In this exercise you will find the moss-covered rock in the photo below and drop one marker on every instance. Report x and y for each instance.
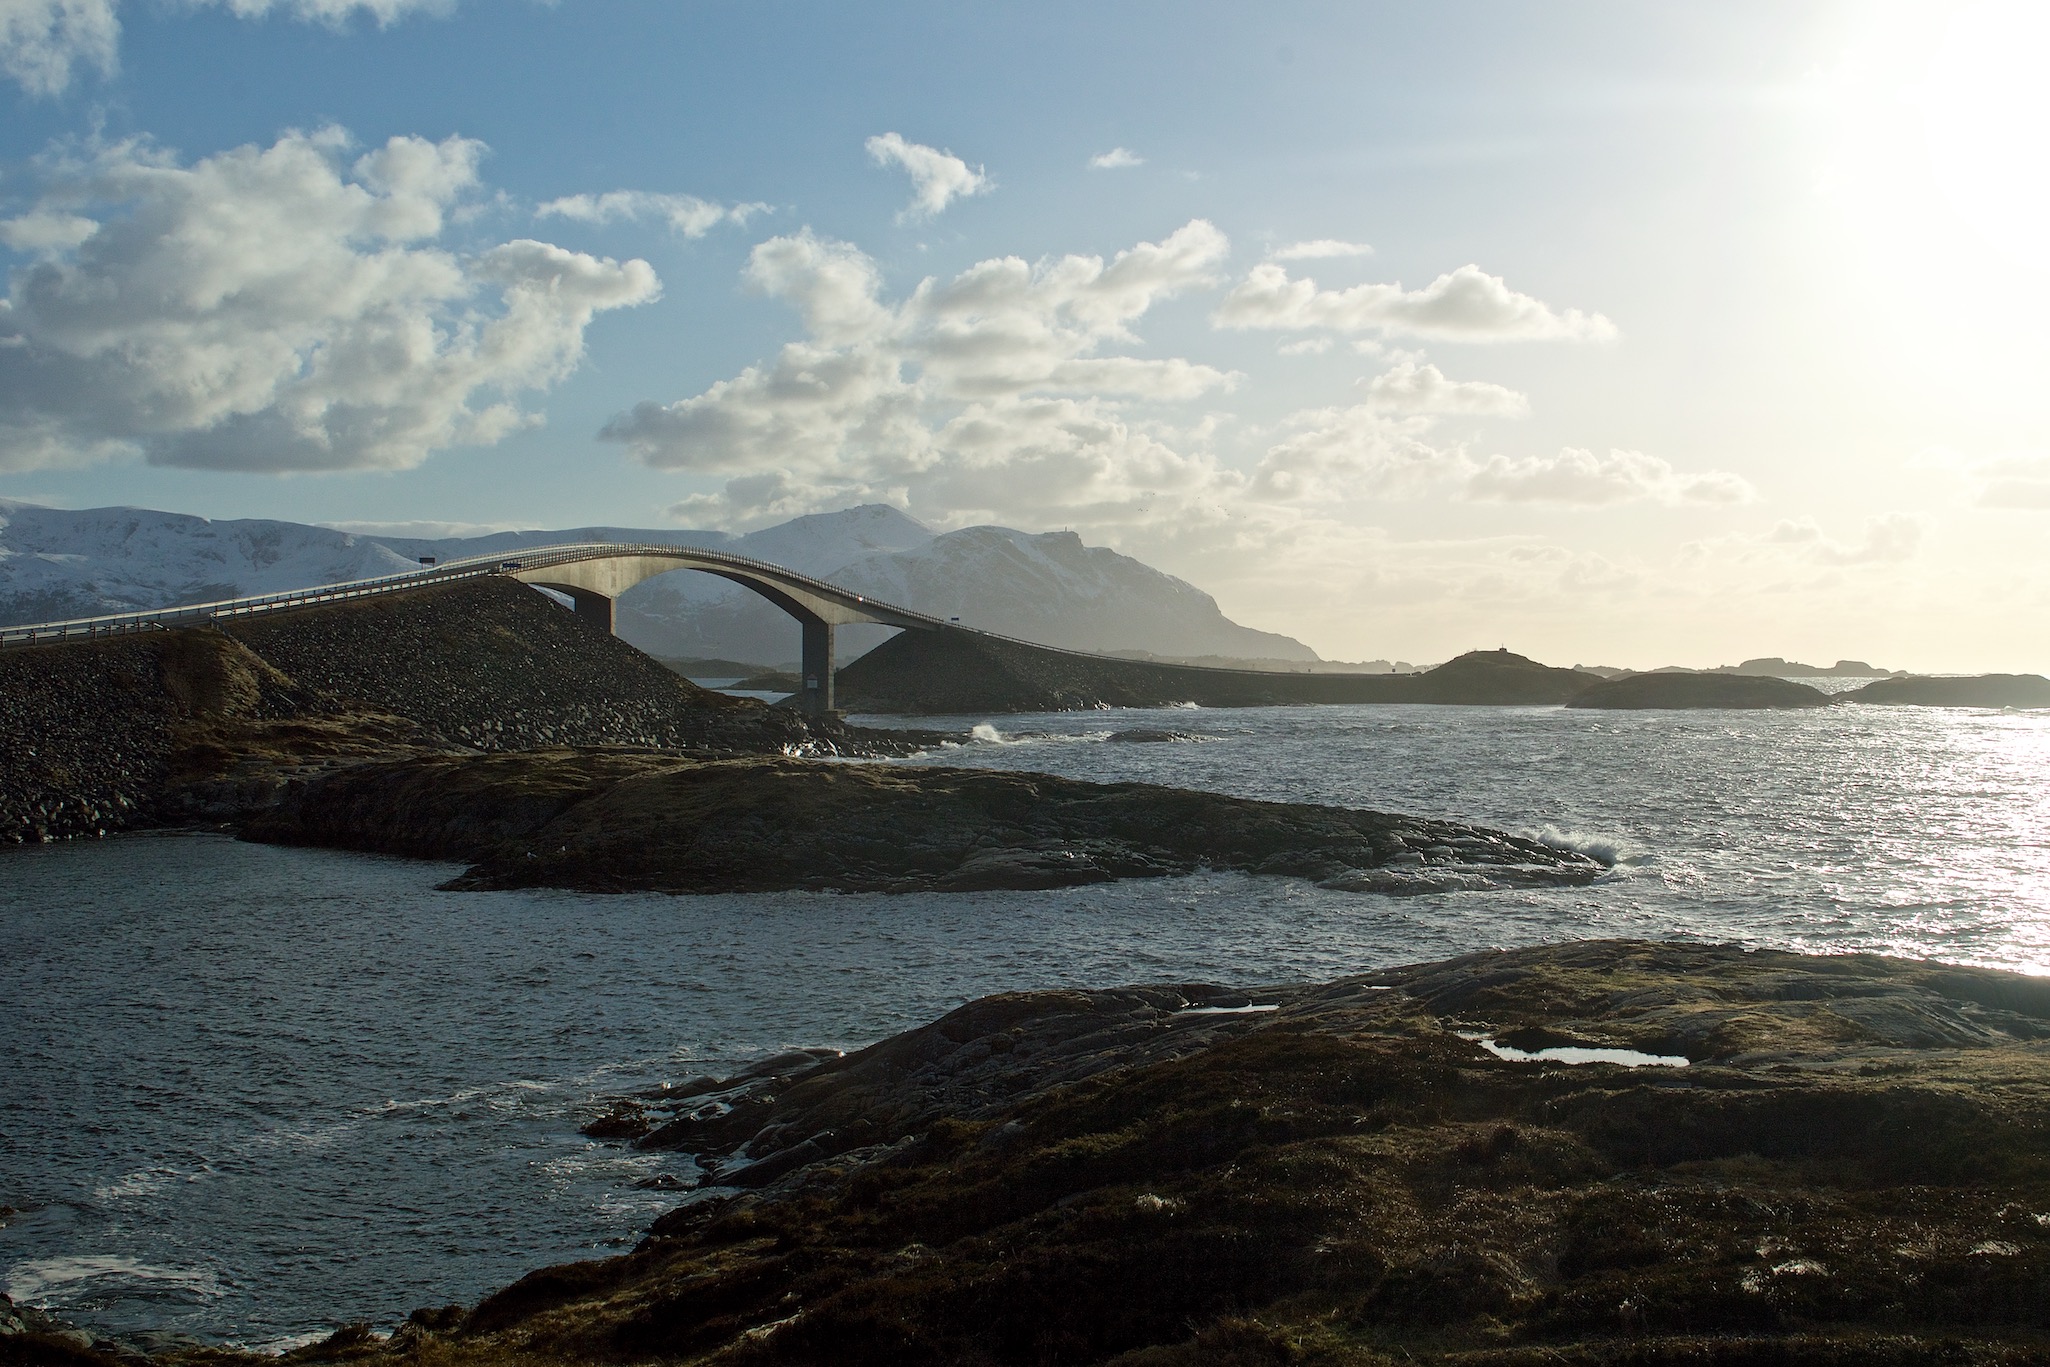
(1157, 1177)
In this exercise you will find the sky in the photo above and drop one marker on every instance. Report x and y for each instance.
(1613, 333)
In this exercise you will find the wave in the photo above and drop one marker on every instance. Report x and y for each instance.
(1601, 849)
(52, 1283)
(984, 733)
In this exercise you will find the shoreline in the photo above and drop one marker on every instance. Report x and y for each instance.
(1852, 1160)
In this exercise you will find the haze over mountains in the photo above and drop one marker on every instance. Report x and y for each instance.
(1046, 587)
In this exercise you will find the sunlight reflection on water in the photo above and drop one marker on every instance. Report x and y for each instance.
(255, 1091)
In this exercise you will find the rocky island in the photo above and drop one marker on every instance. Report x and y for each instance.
(616, 820)
(1595, 1153)
(1743, 691)
(954, 672)
(1975, 690)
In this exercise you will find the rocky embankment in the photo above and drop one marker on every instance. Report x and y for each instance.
(490, 664)
(209, 724)
(959, 672)
(1832, 1161)
(657, 821)
(1750, 692)
(169, 726)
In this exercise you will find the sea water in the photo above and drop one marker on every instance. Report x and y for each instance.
(252, 1093)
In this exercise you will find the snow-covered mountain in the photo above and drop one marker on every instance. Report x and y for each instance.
(1044, 587)
(57, 563)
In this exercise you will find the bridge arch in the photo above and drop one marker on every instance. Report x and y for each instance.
(593, 577)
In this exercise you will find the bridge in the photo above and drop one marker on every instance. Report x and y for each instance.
(593, 575)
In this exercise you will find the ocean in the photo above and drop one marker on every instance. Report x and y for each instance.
(254, 1093)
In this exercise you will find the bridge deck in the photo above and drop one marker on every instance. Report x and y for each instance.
(518, 564)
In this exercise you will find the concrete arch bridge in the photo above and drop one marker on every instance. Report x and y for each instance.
(593, 575)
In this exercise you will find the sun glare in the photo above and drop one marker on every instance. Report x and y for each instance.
(1986, 116)
(1932, 170)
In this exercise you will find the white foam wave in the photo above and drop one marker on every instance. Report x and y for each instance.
(983, 733)
(145, 1182)
(285, 1343)
(1599, 848)
(54, 1282)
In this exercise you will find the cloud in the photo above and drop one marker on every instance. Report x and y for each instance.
(1008, 392)
(332, 12)
(44, 42)
(1321, 248)
(422, 530)
(1888, 540)
(1467, 305)
(997, 389)
(281, 308)
(1411, 387)
(1304, 346)
(2026, 494)
(688, 215)
(2019, 481)
(1116, 159)
(1584, 479)
(937, 178)
(1369, 450)
(1334, 454)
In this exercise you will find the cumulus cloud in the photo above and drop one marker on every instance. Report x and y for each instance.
(280, 308)
(937, 178)
(44, 42)
(333, 11)
(1332, 454)
(1005, 377)
(1010, 391)
(1888, 540)
(1320, 249)
(1116, 159)
(1466, 305)
(687, 215)
(1582, 478)
(1413, 387)
(2018, 481)
(1377, 450)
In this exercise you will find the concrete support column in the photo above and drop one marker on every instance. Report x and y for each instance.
(594, 608)
(815, 679)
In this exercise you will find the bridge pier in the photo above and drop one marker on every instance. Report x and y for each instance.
(815, 677)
